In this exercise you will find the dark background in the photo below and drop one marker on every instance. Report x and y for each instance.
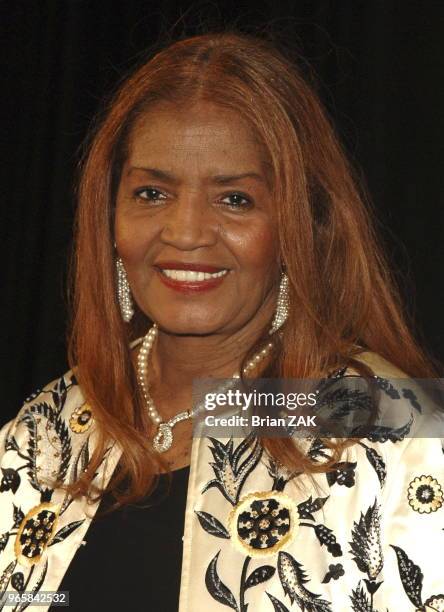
(380, 73)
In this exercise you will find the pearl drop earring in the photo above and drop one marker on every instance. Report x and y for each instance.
(282, 305)
(124, 292)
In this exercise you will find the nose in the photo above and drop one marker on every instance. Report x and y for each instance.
(188, 224)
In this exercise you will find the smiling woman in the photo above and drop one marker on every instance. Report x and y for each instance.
(193, 199)
(220, 234)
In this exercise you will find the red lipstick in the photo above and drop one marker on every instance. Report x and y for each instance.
(194, 267)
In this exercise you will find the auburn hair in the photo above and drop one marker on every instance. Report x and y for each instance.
(345, 297)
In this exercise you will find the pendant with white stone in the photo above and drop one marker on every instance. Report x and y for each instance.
(163, 439)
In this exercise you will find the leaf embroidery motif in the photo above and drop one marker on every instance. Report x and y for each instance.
(278, 605)
(217, 588)
(65, 531)
(280, 475)
(293, 578)
(387, 387)
(382, 434)
(360, 601)
(59, 439)
(377, 463)
(366, 542)
(343, 473)
(36, 587)
(261, 574)
(306, 508)
(229, 471)
(409, 395)
(411, 576)
(326, 536)
(212, 525)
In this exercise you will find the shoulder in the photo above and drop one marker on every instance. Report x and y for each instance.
(379, 365)
(401, 418)
(48, 416)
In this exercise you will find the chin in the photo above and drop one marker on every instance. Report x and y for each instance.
(189, 326)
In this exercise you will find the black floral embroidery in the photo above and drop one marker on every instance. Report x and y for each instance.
(309, 506)
(366, 542)
(42, 420)
(318, 450)
(221, 593)
(342, 400)
(376, 461)
(387, 387)
(411, 579)
(411, 397)
(343, 474)
(6, 575)
(324, 535)
(10, 480)
(259, 575)
(277, 605)
(293, 578)
(280, 475)
(411, 576)
(435, 602)
(232, 466)
(361, 601)
(381, 433)
(36, 530)
(217, 589)
(335, 571)
(367, 550)
(212, 525)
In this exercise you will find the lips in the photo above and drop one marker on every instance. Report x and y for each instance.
(190, 277)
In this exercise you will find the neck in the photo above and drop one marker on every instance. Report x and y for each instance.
(176, 360)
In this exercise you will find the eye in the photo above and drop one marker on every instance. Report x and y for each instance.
(237, 201)
(150, 193)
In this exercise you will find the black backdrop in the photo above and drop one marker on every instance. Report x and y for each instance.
(379, 67)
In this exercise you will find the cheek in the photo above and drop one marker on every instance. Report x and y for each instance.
(256, 246)
(133, 239)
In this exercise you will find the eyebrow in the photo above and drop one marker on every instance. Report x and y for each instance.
(219, 179)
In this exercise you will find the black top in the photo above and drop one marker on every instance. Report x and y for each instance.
(132, 557)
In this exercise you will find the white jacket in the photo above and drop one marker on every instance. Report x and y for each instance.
(366, 537)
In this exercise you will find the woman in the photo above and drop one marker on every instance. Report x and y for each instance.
(217, 205)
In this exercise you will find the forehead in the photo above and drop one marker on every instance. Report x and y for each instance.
(205, 133)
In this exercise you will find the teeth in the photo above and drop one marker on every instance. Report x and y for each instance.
(189, 275)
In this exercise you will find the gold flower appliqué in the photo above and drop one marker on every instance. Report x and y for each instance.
(262, 523)
(425, 494)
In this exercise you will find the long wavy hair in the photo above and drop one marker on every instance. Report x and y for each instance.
(345, 294)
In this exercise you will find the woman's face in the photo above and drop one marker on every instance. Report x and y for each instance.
(194, 221)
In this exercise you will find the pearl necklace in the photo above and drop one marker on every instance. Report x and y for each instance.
(163, 439)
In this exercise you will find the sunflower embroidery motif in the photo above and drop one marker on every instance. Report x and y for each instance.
(81, 418)
(262, 523)
(34, 533)
(425, 494)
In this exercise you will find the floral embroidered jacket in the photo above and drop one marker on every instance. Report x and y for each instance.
(365, 537)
